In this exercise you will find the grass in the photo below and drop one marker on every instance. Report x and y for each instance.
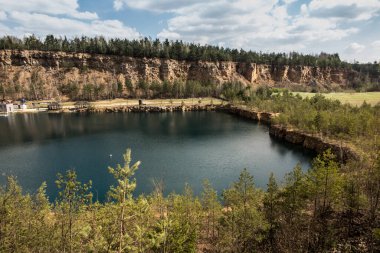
(354, 98)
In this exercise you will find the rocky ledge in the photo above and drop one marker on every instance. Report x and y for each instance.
(264, 117)
(307, 140)
(313, 142)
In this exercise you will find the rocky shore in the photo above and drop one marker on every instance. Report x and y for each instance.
(147, 108)
(313, 142)
(294, 136)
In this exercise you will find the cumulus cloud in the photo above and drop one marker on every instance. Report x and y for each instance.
(61, 7)
(354, 48)
(61, 18)
(259, 24)
(158, 6)
(28, 23)
(376, 44)
(348, 9)
(265, 25)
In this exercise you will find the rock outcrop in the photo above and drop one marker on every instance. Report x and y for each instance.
(313, 142)
(25, 73)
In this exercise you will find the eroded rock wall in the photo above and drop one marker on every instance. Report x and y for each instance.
(24, 73)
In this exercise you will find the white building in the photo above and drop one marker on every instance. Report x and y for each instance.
(6, 107)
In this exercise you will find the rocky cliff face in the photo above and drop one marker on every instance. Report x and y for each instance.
(26, 73)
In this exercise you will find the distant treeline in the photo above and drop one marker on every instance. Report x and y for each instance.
(177, 50)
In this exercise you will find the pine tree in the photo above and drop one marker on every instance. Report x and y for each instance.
(325, 188)
(122, 192)
(73, 195)
(243, 222)
(212, 211)
(271, 210)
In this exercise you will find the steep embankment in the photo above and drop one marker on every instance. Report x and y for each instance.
(40, 74)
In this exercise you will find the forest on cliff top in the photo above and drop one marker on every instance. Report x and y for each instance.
(179, 50)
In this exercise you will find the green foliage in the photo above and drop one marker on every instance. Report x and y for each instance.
(324, 182)
(271, 211)
(318, 114)
(322, 210)
(243, 221)
(72, 197)
(122, 193)
(177, 50)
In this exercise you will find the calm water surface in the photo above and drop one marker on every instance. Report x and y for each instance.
(173, 147)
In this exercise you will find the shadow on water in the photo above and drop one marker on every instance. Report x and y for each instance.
(177, 147)
(284, 148)
(34, 128)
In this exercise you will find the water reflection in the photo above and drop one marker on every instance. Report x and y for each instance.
(176, 147)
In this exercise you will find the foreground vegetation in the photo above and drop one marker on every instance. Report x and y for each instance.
(325, 209)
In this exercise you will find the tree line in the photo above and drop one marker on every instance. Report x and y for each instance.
(177, 50)
(330, 207)
(141, 89)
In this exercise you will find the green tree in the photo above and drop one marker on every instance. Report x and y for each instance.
(122, 192)
(271, 210)
(325, 188)
(243, 222)
(72, 197)
(183, 222)
(212, 211)
(294, 221)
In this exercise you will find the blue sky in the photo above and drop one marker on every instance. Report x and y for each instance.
(348, 27)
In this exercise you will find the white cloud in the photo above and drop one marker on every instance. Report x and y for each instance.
(3, 15)
(264, 25)
(376, 44)
(54, 7)
(60, 17)
(348, 9)
(362, 52)
(157, 6)
(118, 5)
(354, 48)
(289, 1)
(28, 23)
(258, 25)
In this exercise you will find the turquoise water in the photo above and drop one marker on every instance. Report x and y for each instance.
(176, 148)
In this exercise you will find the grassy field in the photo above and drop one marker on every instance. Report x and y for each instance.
(354, 98)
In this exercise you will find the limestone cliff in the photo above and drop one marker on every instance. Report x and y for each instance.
(48, 74)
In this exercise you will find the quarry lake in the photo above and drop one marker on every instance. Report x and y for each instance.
(175, 147)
